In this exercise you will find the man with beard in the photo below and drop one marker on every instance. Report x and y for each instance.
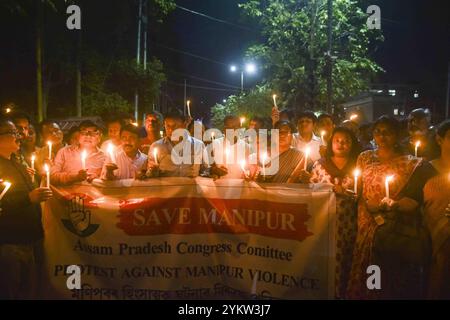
(128, 162)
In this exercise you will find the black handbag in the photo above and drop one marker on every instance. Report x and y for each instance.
(402, 237)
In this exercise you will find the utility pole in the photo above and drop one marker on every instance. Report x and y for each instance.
(448, 92)
(40, 106)
(145, 21)
(329, 58)
(185, 98)
(138, 61)
(78, 74)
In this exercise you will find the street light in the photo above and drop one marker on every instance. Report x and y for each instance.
(249, 68)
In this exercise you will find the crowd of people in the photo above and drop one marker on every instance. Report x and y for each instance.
(405, 231)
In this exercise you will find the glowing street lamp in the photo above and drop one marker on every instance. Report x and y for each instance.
(249, 68)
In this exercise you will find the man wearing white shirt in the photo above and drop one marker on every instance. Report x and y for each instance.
(127, 162)
(230, 152)
(305, 138)
(176, 155)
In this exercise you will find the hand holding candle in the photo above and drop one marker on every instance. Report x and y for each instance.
(47, 172)
(416, 149)
(307, 151)
(387, 181)
(111, 153)
(33, 159)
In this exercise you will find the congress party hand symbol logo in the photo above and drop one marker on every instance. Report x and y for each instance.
(79, 221)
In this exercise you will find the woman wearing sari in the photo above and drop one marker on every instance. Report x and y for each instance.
(336, 168)
(437, 217)
(389, 233)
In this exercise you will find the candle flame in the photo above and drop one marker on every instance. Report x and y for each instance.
(7, 184)
(417, 144)
(356, 172)
(110, 148)
(389, 178)
(353, 117)
(84, 155)
(307, 151)
(46, 168)
(33, 157)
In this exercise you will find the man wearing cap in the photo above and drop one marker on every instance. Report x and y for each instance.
(68, 167)
(419, 131)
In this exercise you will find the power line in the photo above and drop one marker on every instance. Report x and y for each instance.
(189, 54)
(215, 19)
(202, 87)
(203, 79)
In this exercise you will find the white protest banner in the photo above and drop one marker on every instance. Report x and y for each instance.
(182, 238)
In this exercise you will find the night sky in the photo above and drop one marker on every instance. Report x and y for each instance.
(415, 50)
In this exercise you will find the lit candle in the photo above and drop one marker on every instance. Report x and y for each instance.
(242, 121)
(161, 133)
(307, 150)
(264, 160)
(49, 143)
(322, 136)
(47, 172)
(7, 186)
(227, 152)
(155, 155)
(189, 107)
(356, 174)
(83, 159)
(416, 148)
(135, 124)
(353, 117)
(33, 158)
(243, 167)
(387, 181)
(274, 97)
(111, 153)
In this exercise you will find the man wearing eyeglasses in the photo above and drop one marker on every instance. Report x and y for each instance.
(68, 167)
(20, 220)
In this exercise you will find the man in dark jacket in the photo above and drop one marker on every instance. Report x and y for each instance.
(20, 220)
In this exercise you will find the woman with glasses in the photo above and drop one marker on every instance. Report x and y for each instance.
(68, 166)
(389, 227)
